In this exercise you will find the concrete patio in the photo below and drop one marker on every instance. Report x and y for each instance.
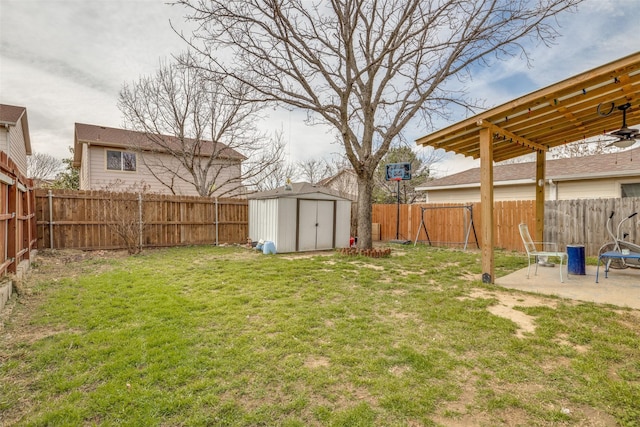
(621, 288)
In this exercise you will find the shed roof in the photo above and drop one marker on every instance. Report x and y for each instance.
(555, 115)
(596, 166)
(297, 189)
(342, 172)
(122, 138)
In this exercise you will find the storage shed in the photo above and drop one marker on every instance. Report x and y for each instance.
(300, 217)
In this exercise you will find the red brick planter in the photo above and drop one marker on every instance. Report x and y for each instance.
(371, 253)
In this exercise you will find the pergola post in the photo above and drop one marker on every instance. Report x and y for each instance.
(540, 180)
(486, 204)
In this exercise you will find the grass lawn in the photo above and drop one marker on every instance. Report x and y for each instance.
(228, 336)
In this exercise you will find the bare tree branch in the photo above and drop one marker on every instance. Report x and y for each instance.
(313, 170)
(367, 68)
(204, 123)
(41, 166)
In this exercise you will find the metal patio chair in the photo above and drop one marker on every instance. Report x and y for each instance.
(549, 249)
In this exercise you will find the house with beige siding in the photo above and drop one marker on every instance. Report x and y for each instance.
(611, 175)
(345, 182)
(14, 135)
(18, 237)
(119, 159)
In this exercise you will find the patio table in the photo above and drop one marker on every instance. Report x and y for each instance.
(613, 254)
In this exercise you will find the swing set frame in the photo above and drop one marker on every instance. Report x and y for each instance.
(469, 225)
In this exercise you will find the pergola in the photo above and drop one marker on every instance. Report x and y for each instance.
(568, 111)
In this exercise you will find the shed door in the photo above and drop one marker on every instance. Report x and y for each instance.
(315, 225)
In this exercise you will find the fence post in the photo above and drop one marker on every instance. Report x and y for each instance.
(217, 243)
(140, 227)
(50, 219)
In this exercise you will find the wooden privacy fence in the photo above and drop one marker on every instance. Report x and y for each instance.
(90, 219)
(584, 221)
(449, 224)
(567, 222)
(87, 220)
(17, 219)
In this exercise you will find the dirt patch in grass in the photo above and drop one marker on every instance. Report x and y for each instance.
(563, 339)
(526, 323)
(505, 308)
(305, 255)
(314, 362)
(399, 370)
(369, 266)
(629, 318)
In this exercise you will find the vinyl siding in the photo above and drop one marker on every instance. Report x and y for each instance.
(593, 189)
(4, 140)
(98, 177)
(16, 150)
(460, 195)
(561, 190)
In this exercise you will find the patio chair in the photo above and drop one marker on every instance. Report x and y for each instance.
(549, 249)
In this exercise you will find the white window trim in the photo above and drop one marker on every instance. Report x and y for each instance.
(106, 165)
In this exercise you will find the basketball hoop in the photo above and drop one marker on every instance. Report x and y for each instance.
(397, 179)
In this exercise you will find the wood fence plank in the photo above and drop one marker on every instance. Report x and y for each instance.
(179, 220)
(79, 219)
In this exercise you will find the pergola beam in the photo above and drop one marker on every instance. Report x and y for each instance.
(486, 205)
(524, 142)
(564, 112)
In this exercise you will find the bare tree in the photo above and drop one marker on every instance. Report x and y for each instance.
(274, 177)
(367, 68)
(314, 170)
(273, 174)
(588, 147)
(122, 211)
(204, 122)
(41, 166)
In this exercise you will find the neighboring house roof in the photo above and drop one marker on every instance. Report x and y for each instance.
(344, 182)
(122, 138)
(10, 115)
(327, 181)
(568, 169)
(297, 189)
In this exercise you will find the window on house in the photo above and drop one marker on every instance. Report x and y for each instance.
(631, 190)
(121, 160)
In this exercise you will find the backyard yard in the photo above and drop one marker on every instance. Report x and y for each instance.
(228, 336)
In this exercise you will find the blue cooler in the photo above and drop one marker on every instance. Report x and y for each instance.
(576, 263)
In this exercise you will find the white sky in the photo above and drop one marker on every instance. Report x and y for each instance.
(66, 60)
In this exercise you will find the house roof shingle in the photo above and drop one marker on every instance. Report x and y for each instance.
(329, 179)
(122, 138)
(611, 164)
(10, 115)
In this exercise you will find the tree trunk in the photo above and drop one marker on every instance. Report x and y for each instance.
(365, 196)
